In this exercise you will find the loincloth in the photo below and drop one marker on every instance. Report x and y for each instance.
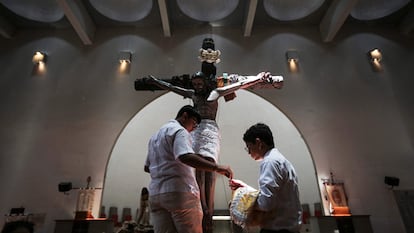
(206, 139)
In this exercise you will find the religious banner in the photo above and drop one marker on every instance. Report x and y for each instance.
(85, 203)
(337, 199)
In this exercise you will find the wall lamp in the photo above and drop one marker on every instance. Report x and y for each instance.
(39, 58)
(125, 57)
(376, 57)
(391, 181)
(65, 187)
(292, 58)
(124, 61)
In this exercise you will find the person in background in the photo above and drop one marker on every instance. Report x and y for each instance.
(174, 195)
(143, 218)
(18, 227)
(277, 203)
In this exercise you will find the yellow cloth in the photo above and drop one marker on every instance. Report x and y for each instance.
(244, 198)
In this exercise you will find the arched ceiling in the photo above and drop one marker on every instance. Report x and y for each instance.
(87, 16)
(291, 10)
(46, 11)
(207, 11)
(375, 9)
(123, 11)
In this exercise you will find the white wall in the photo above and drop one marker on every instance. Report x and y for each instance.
(63, 125)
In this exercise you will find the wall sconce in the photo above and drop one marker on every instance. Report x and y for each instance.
(39, 58)
(376, 57)
(125, 57)
(125, 61)
(65, 187)
(391, 181)
(292, 58)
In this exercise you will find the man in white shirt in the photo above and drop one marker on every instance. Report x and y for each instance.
(174, 193)
(278, 202)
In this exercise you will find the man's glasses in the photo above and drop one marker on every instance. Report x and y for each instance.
(247, 149)
(194, 121)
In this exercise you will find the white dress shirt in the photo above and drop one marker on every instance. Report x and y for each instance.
(279, 195)
(168, 173)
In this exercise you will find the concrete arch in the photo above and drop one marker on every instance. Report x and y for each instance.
(125, 176)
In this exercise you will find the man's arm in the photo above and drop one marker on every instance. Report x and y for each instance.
(196, 161)
(187, 93)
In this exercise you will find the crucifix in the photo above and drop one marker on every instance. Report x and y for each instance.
(204, 88)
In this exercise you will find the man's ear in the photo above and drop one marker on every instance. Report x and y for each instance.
(185, 115)
(259, 143)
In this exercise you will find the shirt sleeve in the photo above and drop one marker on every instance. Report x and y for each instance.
(182, 143)
(269, 183)
(149, 152)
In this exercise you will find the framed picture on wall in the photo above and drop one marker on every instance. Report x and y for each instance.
(336, 194)
(337, 198)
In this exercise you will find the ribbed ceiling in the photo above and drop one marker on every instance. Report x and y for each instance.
(376, 9)
(123, 10)
(46, 11)
(207, 11)
(87, 16)
(291, 10)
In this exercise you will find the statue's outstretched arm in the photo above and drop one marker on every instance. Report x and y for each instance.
(188, 93)
(263, 78)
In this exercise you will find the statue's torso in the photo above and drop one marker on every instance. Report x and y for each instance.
(207, 109)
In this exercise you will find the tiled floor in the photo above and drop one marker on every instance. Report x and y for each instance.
(225, 226)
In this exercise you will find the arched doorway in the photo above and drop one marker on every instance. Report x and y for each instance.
(125, 175)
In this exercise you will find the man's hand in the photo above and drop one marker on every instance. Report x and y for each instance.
(276, 81)
(265, 76)
(225, 171)
(235, 184)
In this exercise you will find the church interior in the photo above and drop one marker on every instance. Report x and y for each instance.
(75, 127)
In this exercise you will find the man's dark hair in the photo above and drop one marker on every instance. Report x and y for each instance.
(12, 226)
(191, 111)
(260, 131)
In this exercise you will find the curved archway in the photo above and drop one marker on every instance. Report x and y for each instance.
(125, 175)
